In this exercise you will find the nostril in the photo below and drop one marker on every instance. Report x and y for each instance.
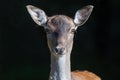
(56, 49)
(59, 50)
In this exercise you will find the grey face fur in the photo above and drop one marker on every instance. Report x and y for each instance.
(60, 28)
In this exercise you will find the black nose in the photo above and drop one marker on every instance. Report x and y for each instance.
(59, 50)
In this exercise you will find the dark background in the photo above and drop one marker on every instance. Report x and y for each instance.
(24, 54)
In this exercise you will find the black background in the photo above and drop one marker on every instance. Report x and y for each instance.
(24, 54)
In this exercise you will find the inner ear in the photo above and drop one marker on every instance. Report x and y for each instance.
(38, 15)
(82, 15)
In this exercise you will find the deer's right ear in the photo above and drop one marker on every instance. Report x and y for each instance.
(38, 15)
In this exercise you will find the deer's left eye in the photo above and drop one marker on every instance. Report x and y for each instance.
(73, 31)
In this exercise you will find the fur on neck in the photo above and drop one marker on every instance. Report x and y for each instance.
(60, 68)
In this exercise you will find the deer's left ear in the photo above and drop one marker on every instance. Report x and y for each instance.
(82, 15)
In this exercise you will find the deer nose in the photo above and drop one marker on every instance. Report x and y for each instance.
(59, 50)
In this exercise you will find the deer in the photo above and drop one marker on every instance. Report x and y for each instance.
(60, 30)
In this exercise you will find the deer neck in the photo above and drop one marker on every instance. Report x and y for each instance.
(60, 67)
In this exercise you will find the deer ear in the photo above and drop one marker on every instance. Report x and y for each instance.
(38, 15)
(82, 15)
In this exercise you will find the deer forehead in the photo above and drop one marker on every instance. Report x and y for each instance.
(60, 22)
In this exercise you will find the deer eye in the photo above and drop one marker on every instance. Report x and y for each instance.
(47, 31)
(73, 31)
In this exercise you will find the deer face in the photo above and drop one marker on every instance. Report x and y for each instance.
(60, 29)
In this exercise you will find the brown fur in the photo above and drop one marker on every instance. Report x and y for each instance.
(84, 75)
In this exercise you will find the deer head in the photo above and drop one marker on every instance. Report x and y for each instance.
(60, 29)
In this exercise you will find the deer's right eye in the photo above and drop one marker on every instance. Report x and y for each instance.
(48, 31)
